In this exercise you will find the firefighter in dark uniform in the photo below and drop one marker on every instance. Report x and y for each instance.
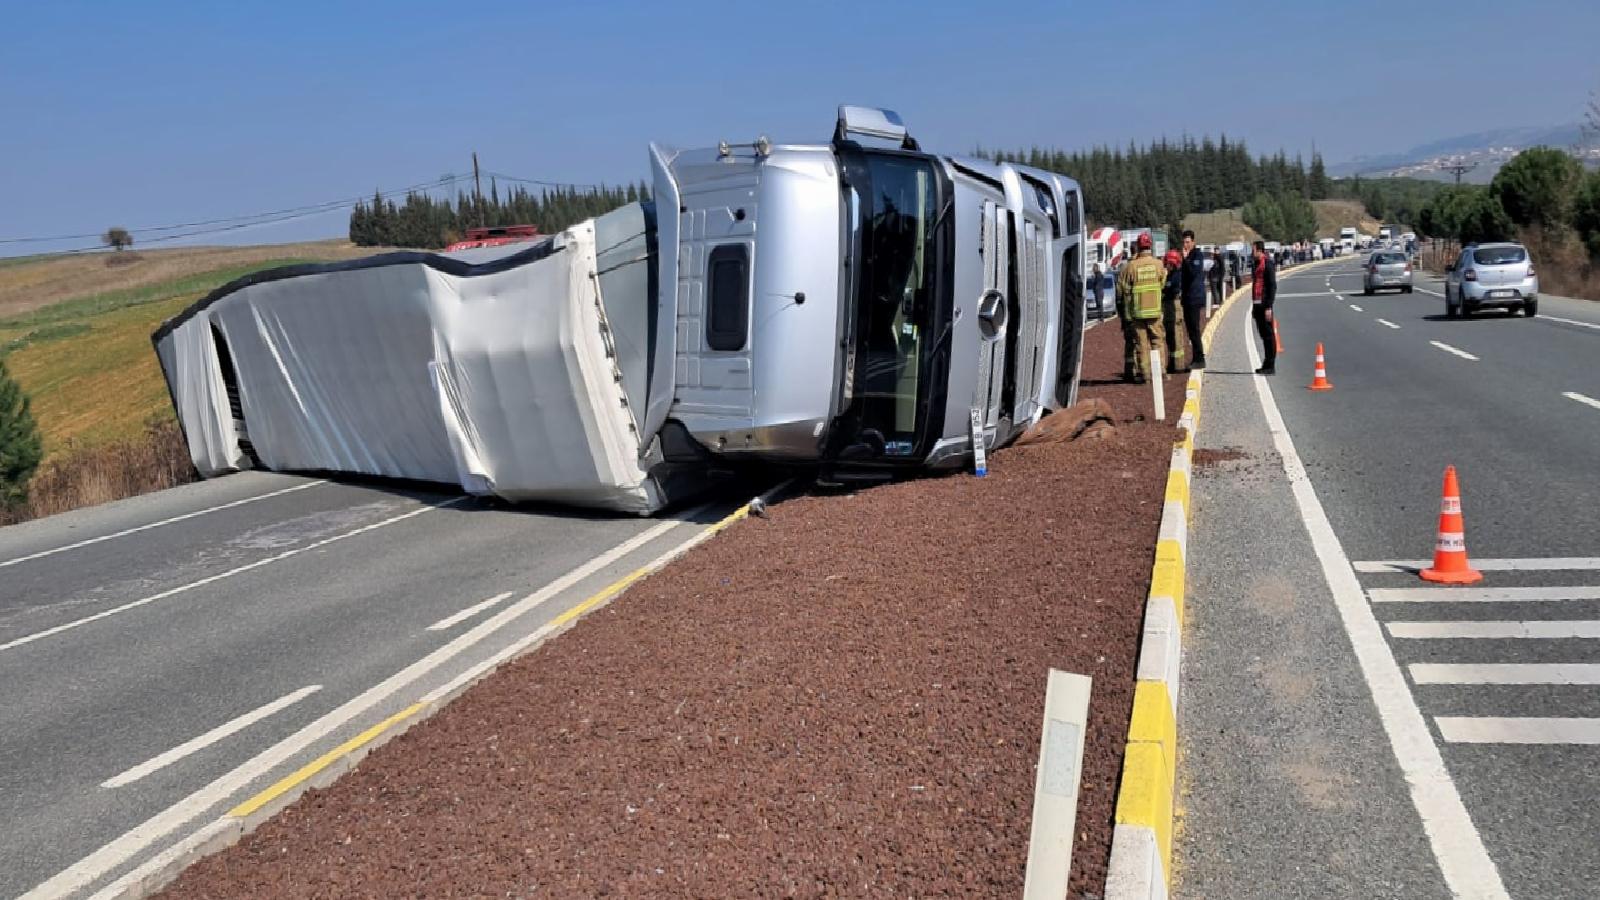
(1172, 311)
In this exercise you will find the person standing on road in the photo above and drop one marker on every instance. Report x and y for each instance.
(1097, 290)
(1139, 304)
(1218, 271)
(1130, 339)
(1172, 311)
(1194, 300)
(1263, 291)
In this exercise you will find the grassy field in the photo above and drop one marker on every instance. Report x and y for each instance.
(85, 359)
(30, 283)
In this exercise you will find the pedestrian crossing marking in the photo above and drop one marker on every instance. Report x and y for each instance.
(1551, 564)
(1518, 730)
(1482, 595)
(1505, 673)
(1474, 629)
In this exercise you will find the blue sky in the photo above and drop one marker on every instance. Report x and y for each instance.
(163, 112)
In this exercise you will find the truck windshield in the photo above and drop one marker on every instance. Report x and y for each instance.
(897, 307)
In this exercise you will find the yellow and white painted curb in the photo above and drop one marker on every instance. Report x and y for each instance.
(1141, 840)
(225, 831)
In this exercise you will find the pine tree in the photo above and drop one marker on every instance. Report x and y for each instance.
(20, 448)
(1318, 181)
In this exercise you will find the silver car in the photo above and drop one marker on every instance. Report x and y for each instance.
(1387, 269)
(1492, 275)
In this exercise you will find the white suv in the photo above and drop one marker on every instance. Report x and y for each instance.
(1499, 275)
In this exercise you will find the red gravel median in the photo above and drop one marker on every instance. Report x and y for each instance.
(840, 700)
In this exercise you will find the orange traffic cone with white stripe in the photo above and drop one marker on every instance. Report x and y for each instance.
(1450, 564)
(1277, 337)
(1319, 380)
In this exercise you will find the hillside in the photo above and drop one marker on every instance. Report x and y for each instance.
(1224, 225)
(75, 332)
(33, 282)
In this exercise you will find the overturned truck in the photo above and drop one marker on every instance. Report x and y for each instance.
(861, 308)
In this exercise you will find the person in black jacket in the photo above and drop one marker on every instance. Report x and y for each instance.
(1218, 270)
(1262, 294)
(1194, 300)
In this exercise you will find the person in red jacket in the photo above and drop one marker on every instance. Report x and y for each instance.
(1263, 292)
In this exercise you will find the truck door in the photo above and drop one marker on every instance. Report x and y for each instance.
(715, 271)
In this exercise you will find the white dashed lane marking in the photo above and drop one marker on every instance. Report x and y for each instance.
(1574, 395)
(1388, 323)
(1356, 308)
(1457, 351)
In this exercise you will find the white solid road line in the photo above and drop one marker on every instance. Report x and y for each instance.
(1456, 350)
(115, 854)
(1312, 294)
(211, 737)
(1468, 871)
(1426, 291)
(469, 612)
(1574, 395)
(1453, 630)
(1356, 308)
(1546, 564)
(1388, 323)
(1571, 322)
(175, 519)
(1522, 730)
(1483, 595)
(183, 588)
(1505, 673)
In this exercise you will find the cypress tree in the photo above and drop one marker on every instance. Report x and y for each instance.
(20, 447)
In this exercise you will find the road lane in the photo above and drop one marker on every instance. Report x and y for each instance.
(88, 705)
(1374, 449)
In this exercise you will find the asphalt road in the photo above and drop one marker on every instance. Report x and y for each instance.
(1297, 748)
(166, 657)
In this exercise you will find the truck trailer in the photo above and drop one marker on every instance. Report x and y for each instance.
(861, 308)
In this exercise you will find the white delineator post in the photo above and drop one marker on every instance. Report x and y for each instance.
(1155, 386)
(1055, 786)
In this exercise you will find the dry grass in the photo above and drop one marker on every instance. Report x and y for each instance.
(1220, 227)
(1333, 215)
(1225, 225)
(30, 284)
(153, 461)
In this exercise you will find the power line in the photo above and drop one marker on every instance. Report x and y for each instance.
(232, 223)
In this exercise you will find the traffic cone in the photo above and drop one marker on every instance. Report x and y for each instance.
(1320, 380)
(1450, 564)
(1277, 337)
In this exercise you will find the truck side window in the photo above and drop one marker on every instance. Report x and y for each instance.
(1070, 214)
(728, 297)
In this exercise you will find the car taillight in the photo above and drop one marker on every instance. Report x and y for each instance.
(1531, 273)
(1408, 268)
(1469, 275)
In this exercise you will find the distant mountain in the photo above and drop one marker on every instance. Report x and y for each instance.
(1487, 151)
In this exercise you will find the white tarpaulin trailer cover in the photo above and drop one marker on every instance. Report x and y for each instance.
(506, 377)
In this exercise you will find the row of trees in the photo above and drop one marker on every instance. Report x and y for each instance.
(422, 221)
(1163, 182)
(1542, 188)
(1284, 217)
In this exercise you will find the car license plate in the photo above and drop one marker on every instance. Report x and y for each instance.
(1502, 293)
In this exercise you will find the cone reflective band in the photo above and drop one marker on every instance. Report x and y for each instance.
(1450, 564)
(1276, 338)
(1319, 380)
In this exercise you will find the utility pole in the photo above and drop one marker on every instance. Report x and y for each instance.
(477, 187)
(1458, 170)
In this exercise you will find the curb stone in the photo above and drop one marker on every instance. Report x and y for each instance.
(1142, 834)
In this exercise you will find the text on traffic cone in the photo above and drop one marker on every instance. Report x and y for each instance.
(1450, 564)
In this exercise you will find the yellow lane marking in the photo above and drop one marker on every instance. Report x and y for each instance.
(310, 769)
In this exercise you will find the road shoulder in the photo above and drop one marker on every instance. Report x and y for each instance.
(1287, 785)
